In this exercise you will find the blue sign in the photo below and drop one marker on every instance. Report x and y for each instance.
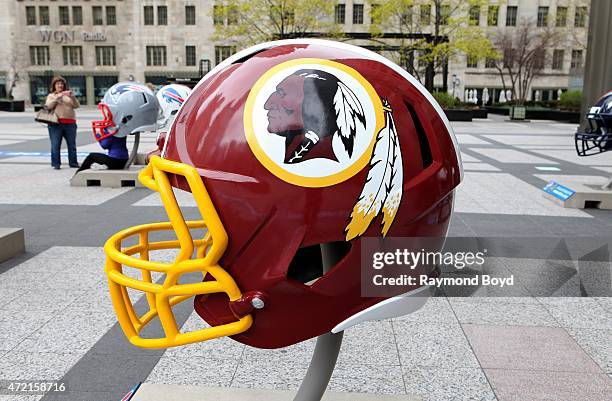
(558, 191)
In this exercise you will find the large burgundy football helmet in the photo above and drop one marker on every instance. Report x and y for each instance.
(286, 146)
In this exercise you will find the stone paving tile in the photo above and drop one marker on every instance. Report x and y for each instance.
(20, 397)
(498, 311)
(17, 325)
(370, 343)
(74, 331)
(519, 385)
(527, 348)
(367, 378)
(83, 396)
(46, 186)
(546, 277)
(184, 199)
(479, 167)
(45, 301)
(218, 348)
(73, 252)
(433, 345)
(490, 191)
(578, 312)
(436, 310)
(281, 374)
(448, 384)
(194, 370)
(36, 366)
(299, 354)
(597, 343)
(512, 156)
(8, 295)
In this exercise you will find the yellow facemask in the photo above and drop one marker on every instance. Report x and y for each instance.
(164, 294)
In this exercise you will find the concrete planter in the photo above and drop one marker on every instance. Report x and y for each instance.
(518, 112)
(541, 114)
(459, 114)
(12, 105)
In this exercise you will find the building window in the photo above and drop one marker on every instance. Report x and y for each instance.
(561, 16)
(425, 14)
(232, 16)
(30, 15)
(375, 15)
(542, 16)
(97, 16)
(156, 55)
(406, 17)
(105, 55)
(223, 52)
(73, 55)
(444, 14)
(218, 17)
(472, 62)
(557, 61)
(190, 55)
(162, 15)
(111, 15)
(340, 13)
(64, 15)
(357, 14)
(580, 18)
(190, 15)
(539, 58)
(39, 55)
(43, 15)
(511, 13)
(489, 62)
(77, 15)
(576, 59)
(148, 15)
(474, 16)
(493, 15)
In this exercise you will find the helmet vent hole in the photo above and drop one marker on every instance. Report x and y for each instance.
(307, 264)
(422, 136)
(125, 119)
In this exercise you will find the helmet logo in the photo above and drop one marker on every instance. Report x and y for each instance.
(316, 123)
(170, 95)
(312, 122)
(119, 90)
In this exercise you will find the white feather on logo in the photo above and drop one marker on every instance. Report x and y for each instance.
(382, 191)
(349, 113)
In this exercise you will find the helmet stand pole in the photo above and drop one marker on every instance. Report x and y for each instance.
(328, 345)
(134, 151)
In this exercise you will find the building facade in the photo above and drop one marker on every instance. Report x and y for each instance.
(96, 43)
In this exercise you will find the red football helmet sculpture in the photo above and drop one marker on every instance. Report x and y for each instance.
(286, 146)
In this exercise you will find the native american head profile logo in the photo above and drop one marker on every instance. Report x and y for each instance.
(310, 107)
(316, 123)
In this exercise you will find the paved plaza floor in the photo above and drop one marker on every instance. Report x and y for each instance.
(58, 323)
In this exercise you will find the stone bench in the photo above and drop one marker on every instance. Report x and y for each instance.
(588, 194)
(12, 243)
(107, 178)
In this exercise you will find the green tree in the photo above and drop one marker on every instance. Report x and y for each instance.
(432, 32)
(248, 22)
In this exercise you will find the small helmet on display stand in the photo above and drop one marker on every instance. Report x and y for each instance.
(287, 148)
(127, 108)
(597, 138)
(171, 98)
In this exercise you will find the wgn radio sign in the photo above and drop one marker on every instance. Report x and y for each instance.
(58, 36)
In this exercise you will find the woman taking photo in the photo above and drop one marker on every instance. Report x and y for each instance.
(62, 101)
